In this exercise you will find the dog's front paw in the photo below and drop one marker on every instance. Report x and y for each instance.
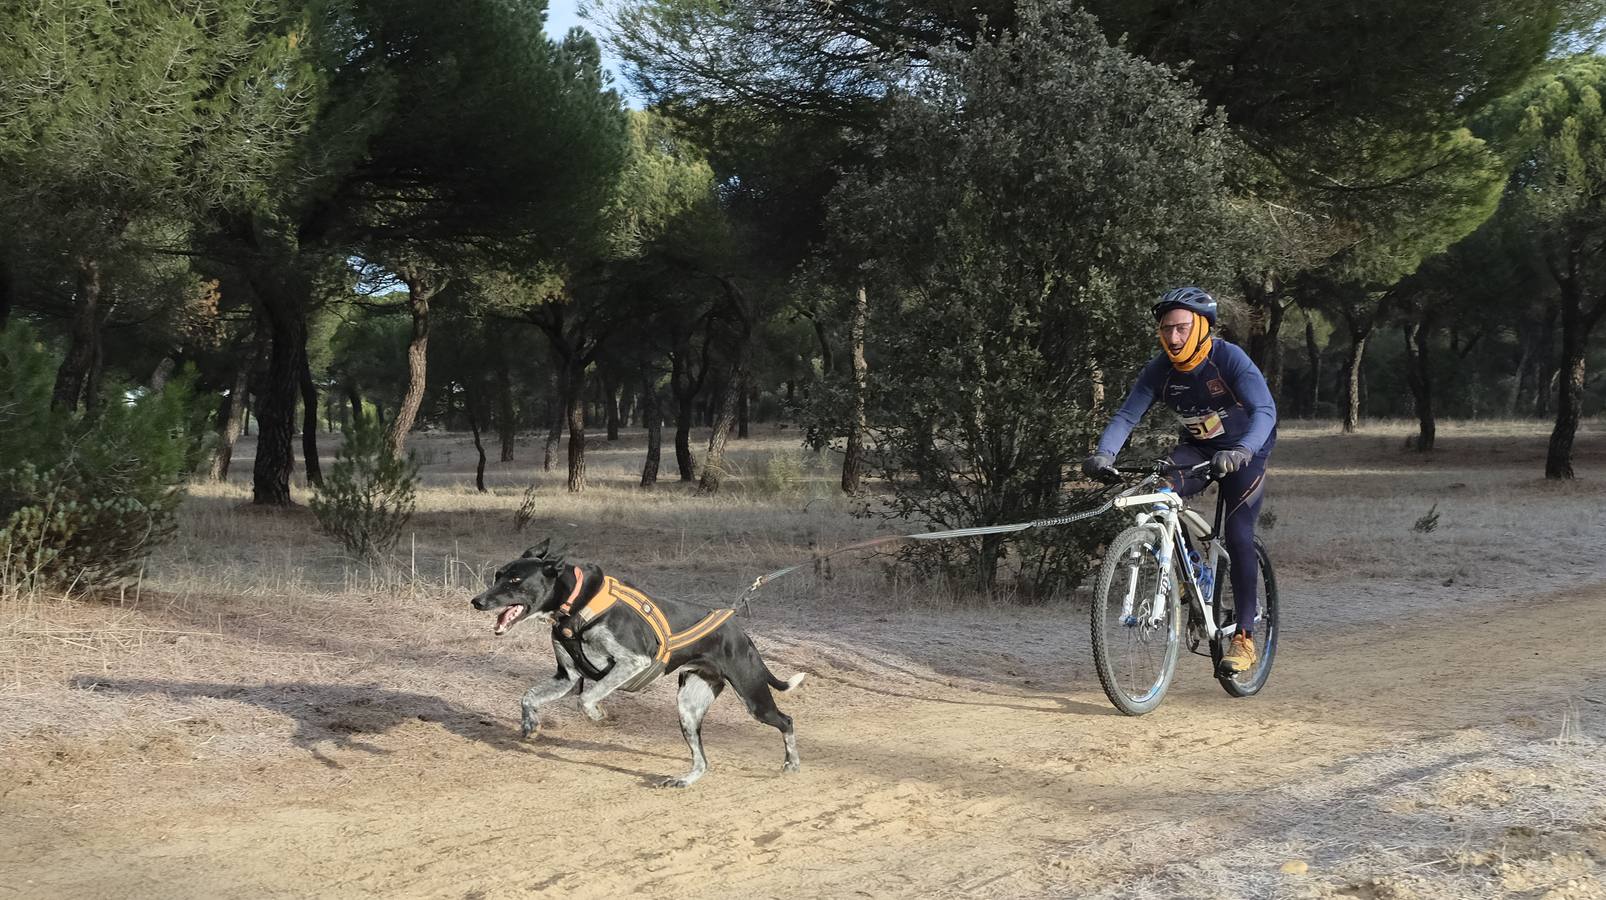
(677, 782)
(594, 713)
(791, 766)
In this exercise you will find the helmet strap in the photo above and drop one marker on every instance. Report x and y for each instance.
(1195, 349)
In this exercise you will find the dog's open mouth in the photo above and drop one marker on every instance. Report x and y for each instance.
(510, 615)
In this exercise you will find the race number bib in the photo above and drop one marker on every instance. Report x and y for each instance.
(1204, 428)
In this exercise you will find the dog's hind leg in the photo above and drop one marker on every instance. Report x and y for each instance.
(761, 703)
(697, 693)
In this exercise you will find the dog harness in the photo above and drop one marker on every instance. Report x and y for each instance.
(571, 624)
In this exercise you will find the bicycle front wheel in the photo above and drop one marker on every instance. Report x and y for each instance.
(1135, 652)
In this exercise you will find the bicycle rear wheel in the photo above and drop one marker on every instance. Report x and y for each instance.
(1135, 656)
(1264, 631)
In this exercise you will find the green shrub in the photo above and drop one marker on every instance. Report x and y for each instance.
(85, 497)
(784, 474)
(369, 493)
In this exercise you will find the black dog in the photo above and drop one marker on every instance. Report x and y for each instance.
(608, 636)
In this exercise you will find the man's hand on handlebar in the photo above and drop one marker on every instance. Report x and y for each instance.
(1101, 467)
(1226, 462)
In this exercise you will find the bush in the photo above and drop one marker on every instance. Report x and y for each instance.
(369, 493)
(784, 473)
(85, 497)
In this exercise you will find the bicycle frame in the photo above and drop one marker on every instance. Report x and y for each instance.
(1175, 522)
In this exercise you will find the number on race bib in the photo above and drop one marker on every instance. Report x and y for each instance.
(1204, 428)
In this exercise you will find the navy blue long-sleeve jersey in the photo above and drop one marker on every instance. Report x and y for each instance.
(1224, 403)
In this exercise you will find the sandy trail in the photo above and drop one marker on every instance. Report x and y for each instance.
(963, 753)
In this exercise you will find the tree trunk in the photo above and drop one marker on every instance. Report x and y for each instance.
(470, 401)
(309, 423)
(1576, 325)
(724, 421)
(685, 394)
(505, 424)
(1352, 377)
(827, 358)
(1521, 375)
(280, 295)
(853, 459)
(684, 463)
(1313, 354)
(736, 384)
(354, 397)
(421, 287)
(574, 390)
(230, 414)
(164, 372)
(610, 403)
(1266, 312)
(555, 416)
(655, 428)
(1419, 375)
(1545, 373)
(76, 371)
(991, 550)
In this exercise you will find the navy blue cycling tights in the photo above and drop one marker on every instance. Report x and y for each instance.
(1243, 491)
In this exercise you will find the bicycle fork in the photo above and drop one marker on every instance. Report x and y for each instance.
(1157, 604)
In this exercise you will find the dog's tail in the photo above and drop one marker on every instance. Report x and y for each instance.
(790, 684)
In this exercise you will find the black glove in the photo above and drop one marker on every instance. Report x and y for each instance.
(1099, 465)
(1226, 462)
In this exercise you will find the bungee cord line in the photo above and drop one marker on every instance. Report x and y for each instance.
(952, 534)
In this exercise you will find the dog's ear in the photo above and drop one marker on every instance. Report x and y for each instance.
(538, 551)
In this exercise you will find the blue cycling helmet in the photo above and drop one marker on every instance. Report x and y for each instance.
(1196, 300)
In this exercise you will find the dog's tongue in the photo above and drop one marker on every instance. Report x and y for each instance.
(504, 620)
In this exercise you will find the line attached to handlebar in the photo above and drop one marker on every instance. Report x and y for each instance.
(953, 534)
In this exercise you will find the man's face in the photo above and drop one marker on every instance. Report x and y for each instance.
(1175, 326)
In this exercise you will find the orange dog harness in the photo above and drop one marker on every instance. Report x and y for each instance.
(614, 592)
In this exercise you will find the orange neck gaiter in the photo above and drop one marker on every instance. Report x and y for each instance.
(1195, 349)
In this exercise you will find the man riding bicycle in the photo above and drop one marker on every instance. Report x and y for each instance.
(1228, 418)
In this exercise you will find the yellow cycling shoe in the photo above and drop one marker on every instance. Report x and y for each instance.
(1240, 655)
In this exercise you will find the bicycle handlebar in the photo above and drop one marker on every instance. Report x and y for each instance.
(1160, 467)
(1113, 475)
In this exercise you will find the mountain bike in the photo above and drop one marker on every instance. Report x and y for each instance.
(1169, 553)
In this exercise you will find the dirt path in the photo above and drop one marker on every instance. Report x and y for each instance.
(1457, 752)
